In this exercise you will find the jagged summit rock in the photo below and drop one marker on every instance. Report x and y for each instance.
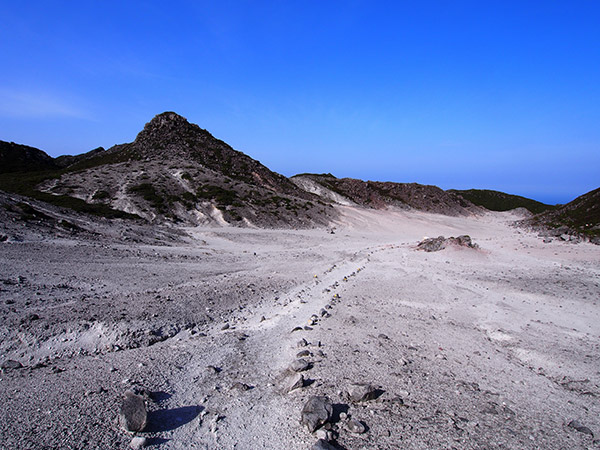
(169, 133)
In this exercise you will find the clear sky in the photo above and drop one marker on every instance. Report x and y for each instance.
(499, 95)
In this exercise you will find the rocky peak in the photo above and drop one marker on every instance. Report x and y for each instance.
(170, 129)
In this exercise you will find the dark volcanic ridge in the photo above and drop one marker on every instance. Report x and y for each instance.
(176, 172)
(380, 195)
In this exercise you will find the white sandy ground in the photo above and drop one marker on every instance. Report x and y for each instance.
(496, 348)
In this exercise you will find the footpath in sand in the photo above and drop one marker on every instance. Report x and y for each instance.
(495, 347)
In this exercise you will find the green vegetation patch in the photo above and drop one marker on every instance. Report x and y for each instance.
(499, 201)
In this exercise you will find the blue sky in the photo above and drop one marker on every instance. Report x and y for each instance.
(496, 94)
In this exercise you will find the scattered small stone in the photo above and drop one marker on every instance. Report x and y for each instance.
(138, 442)
(576, 425)
(213, 369)
(307, 328)
(11, 364)
(263, 318)
(343, 416)
(225, 327)
(302, 353)
(302, 343)
(240, 387)
(362, 392)
(383, 336)
(324, 434)
(316, 412)
(354, 426)
(299, 365)
(297, 329)
(323, 312)
(322, 444)
(133, 415)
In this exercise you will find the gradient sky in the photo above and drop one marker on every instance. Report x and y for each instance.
(498, 95)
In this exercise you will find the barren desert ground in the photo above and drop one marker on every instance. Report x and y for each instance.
(489, 348)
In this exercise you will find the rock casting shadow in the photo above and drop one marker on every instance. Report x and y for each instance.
(170, 419)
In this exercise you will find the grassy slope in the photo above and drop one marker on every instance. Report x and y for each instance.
(500, 201)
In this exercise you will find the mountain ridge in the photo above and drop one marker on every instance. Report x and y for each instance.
(175, 171)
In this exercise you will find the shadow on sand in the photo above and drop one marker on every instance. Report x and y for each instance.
(170, 419)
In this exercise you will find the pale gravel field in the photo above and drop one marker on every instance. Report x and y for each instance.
(495, 348)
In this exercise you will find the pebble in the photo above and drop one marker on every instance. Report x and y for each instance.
(354, 426)
(324, 434)
(133, 415)
(316, 411)
(11, 364)
(302, 353)
(576, 425)
(240, 387)
(138, 442)
(302, 343)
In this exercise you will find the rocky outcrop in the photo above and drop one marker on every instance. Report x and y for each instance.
(440, 243)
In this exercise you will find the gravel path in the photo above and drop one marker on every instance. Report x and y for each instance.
(491, 348)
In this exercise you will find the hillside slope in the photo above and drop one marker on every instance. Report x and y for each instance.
(379, 195)
(176, 171)
(579, 218)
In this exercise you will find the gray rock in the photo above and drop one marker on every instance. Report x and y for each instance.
(133, 415)
(299, 365)
(354, 426)
(322, 444)
(302, 343)
(138, 442)
(302, 353)
(576, 425)
(440, 243)
(240, 387)
(432, 244)
(316, 412)
(11, 364)
(362, 392)
(296, 381)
